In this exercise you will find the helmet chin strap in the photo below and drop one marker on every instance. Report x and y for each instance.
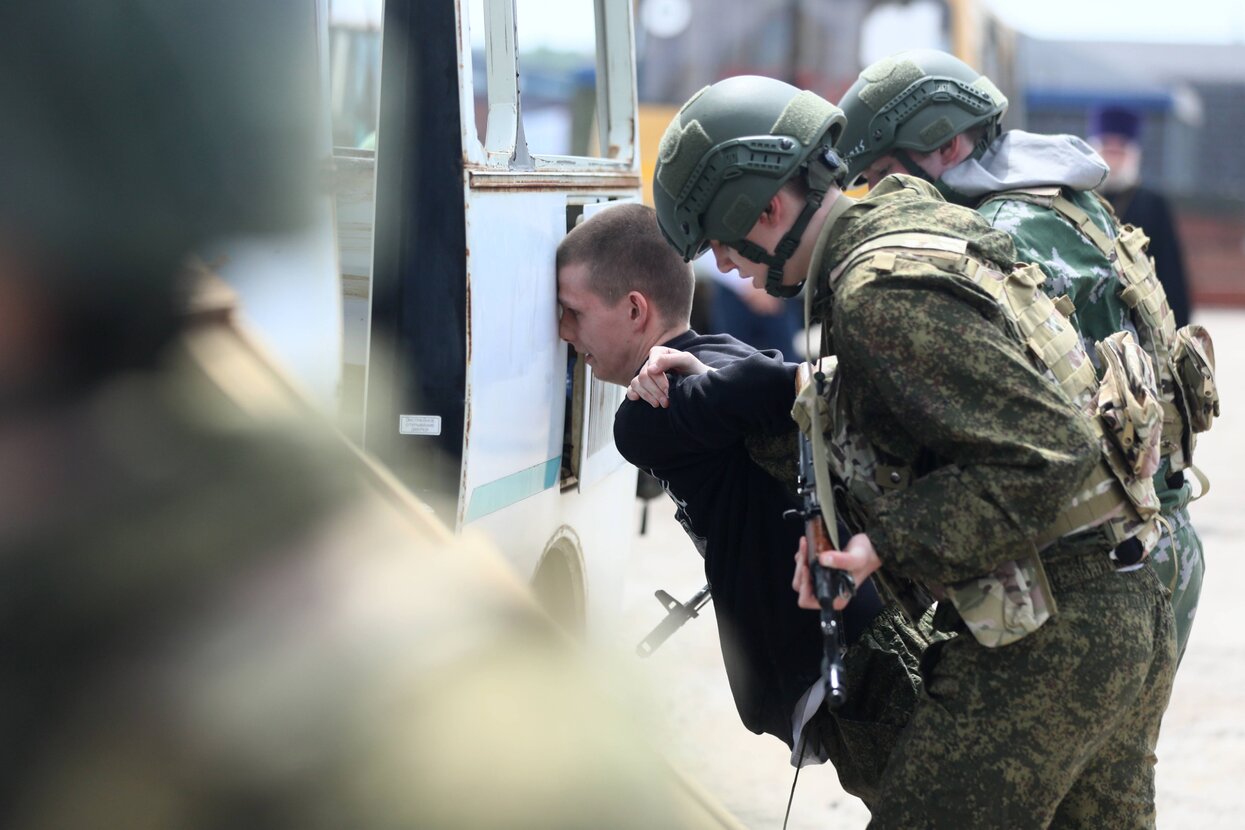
(820, 177)
(910, 166)
(776, 261)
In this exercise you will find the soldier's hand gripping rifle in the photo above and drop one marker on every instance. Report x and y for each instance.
(828, 583)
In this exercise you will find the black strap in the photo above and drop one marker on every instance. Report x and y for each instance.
(910, 166)
(824, 169)
(790, 798)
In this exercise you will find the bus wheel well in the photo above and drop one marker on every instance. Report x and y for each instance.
(558, 582)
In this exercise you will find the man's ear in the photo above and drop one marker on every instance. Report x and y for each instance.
(638, 308)
(955, 150)
(773, 211)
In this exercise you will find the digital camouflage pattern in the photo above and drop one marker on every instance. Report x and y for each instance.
(1066, 718)
(998, 608)
(1119, 494)
(883, 688)
(1056, 730)
(914, 345)
(1076, 268)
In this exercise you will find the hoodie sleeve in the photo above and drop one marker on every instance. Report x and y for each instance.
(749, 396)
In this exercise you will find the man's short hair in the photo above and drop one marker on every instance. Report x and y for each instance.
(624, 250)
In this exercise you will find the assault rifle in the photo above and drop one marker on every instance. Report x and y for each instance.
(677, 613)
(828, 583)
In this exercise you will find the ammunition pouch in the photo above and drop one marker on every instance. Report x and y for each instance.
(1132, 419)
(1194, 361)
(1005, 605)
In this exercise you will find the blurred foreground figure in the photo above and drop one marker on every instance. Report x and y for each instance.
(216, 614)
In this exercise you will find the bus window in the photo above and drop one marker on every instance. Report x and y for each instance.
(588, 451)
(479, 68)
(539, 70)
(557, 48)
(573, 421)
(354, 71)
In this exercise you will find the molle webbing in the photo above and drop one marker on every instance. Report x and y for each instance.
(1142, 292)
(681, 149)
(1053, 341)
(805, 117)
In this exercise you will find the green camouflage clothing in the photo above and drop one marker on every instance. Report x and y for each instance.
(1076, 268)
(883, 681)
(1067, 718)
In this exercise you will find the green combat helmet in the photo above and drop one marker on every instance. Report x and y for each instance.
(728, 151)
(916, 100)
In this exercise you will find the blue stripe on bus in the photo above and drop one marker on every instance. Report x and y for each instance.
(505, 491)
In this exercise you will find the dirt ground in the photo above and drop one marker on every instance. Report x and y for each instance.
(1201, 751)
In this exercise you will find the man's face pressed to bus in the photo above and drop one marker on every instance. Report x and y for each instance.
(601, 332)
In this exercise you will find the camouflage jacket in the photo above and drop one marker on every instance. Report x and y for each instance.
(1073, 265)
(933, 377)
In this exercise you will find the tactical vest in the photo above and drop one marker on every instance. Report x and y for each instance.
(1118, 498)
(1184, 359)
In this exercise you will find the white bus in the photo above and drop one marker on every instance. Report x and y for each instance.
(423, 308)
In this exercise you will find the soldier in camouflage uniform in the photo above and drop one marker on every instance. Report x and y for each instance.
(1059, 725)
(213, 614)
(896, 124)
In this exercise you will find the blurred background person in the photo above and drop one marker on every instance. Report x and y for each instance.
(1115, 132)
(747, 313)
(214, 612)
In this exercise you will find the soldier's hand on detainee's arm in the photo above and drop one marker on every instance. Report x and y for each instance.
(651, 385)
(858, 558)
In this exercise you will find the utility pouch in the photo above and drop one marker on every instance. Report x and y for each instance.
(1194, 362)
(1131, 415)
(1005, 605)
(1128, 403)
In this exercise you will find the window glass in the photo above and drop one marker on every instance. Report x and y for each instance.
(557, 75)
(354, 71)
(556, 44)
(479, 72)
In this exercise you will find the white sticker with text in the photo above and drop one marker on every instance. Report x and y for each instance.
(419, 424)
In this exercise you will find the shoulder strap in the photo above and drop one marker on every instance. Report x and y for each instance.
(810, 382)
(1085, 224)
(1054, 198)
(1043, 196)
(912, 241)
